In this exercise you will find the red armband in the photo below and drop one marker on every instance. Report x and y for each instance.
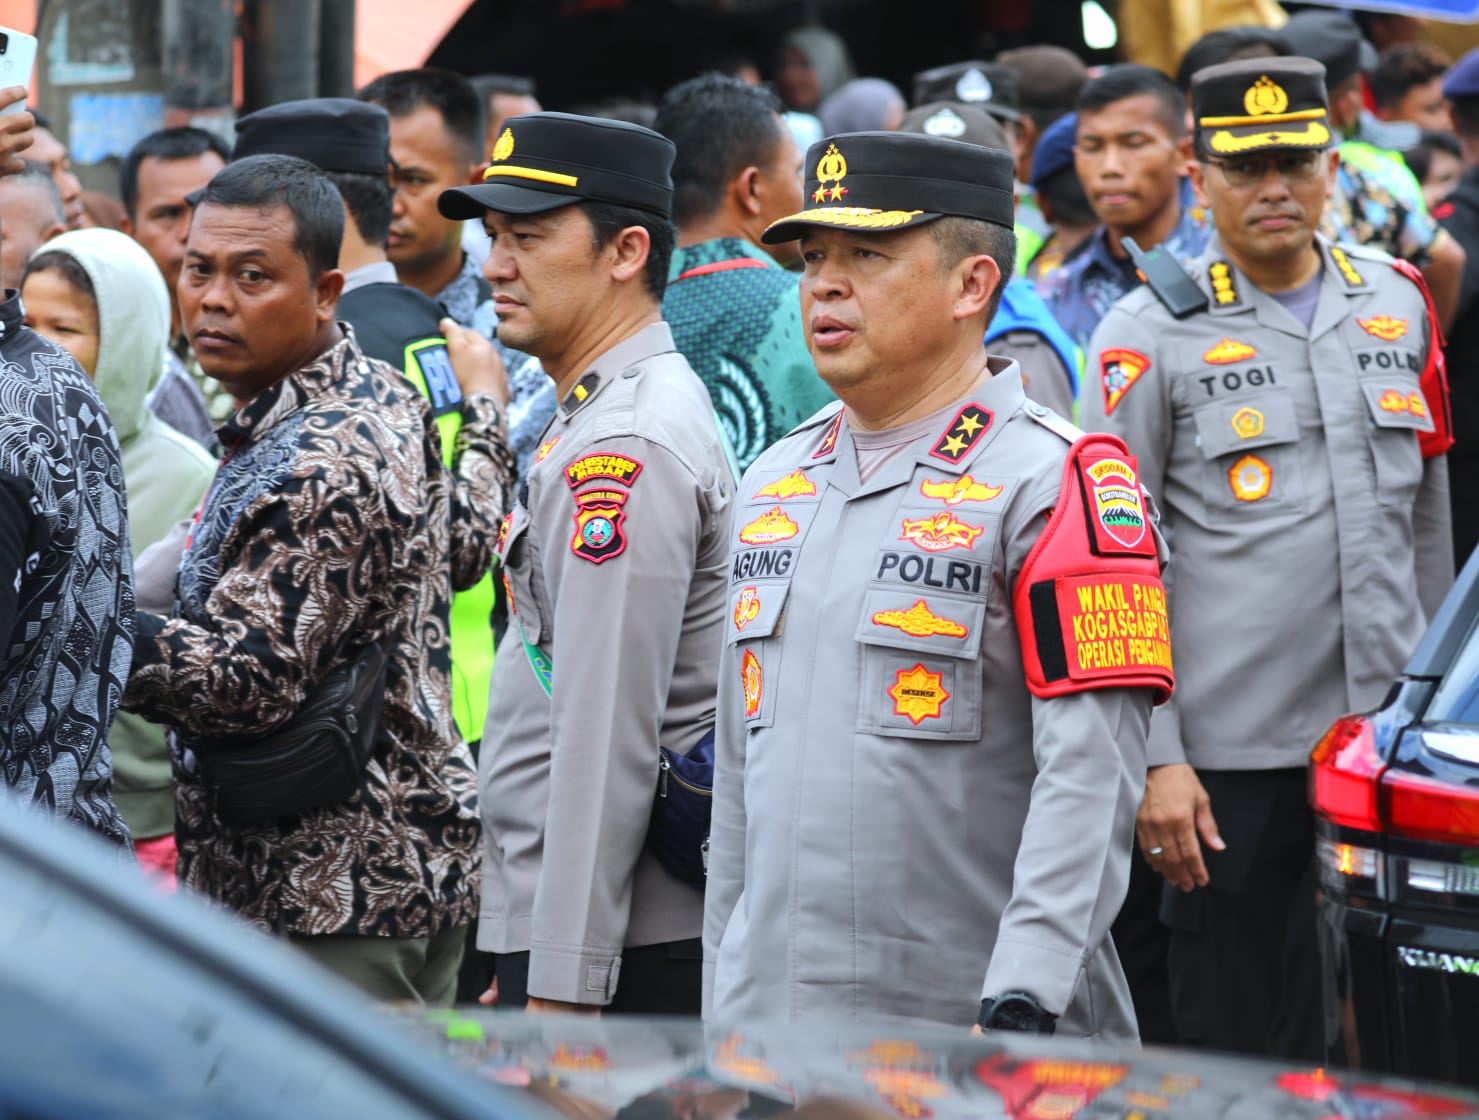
(1089, 602)
(1434, 382)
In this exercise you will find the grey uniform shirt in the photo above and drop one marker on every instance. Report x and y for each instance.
(615, 560)
(1311, 539)
(899, 826)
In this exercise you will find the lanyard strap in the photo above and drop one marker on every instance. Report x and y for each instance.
(719, 266)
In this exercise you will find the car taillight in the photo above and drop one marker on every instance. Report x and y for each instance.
(1425, 809)
(1344, 771)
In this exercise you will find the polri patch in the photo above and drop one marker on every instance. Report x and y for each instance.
(1119, 369)
(617, 468)
(963, 433)
(598, 525)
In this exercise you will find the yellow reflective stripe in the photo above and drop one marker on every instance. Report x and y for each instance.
(531, 173)
(1270, 118)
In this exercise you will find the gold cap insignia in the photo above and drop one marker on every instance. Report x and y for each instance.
(831, 168)
(1265, 97)
(505, 145)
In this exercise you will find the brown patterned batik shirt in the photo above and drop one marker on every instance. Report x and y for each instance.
(326, 527)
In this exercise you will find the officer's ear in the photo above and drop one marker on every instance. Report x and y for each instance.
(628, 248)
(1332, 170)
(978, 278)
(745, 189)
(1198, 172)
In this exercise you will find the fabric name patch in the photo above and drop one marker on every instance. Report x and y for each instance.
(1113, 626)
(1119, 369)
(598, 533)
(618, 468)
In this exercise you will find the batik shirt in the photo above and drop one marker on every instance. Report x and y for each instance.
(66, 581)
(1377, 202)
(327, 527)
(1081, 292)
(736, 317)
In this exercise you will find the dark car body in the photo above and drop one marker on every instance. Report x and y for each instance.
(115, 1002)
(1396, 797)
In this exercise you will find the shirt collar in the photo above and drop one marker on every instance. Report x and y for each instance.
(283, 398)
(380, 272)
(650, 341)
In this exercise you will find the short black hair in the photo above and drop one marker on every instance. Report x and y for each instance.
(184, 142)
(66, 265)
(463, 110)
(720, 126)
(267, 181)
(369, 200)
(957, 238)
(516, 84)
(607, 220)
(1227, 44)
(1420, 158)
(1132, 80)
(1403, 66)
(1064, 192)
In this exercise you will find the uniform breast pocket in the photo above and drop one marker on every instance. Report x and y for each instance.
(520, 561)
(1250, 451)
(753, 623)
(921, 674)
(1399, 411)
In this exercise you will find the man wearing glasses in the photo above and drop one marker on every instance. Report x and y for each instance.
(1293, 429)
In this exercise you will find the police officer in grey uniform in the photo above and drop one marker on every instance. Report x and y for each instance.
(615, 557)
(942, 643)
(1294, 429)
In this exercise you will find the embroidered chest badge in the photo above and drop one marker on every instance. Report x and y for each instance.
(963, 489)
(1227, 352)
(964, 432)
(793, 485)
(1247, 423)
(771, 526)
(1251, 479)
(940, 532)
(920, 622)
(753, 682)
(919, 694)
(1384, 327)
(746, 608)
(545, 448)
(1117, 502)
(1119, 369)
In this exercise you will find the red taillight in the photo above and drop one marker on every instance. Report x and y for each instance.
(1426, 809)
(1344, 770)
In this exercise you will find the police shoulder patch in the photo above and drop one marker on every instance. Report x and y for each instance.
(963, 433)
(599, 535)
(1119, 369)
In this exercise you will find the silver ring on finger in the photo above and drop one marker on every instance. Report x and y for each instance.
(1155, 851)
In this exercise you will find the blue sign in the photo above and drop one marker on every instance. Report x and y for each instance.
(1454, 11)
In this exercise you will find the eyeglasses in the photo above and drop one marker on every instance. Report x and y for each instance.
(1297, 167)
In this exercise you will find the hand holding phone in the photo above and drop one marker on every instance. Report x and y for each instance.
(17, 57)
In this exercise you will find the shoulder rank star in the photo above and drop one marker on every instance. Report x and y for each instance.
(964, 432)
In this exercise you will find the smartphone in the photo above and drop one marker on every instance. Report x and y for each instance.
(17, 58)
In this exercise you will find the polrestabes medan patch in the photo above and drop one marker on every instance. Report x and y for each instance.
(962, 434)
(617, 468)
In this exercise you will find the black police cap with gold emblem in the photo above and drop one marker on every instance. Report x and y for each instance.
(542, 161)
(883, 181)
(1256, 104)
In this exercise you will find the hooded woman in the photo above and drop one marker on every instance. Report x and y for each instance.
(811, 64)
(99, 296)
(863, 105)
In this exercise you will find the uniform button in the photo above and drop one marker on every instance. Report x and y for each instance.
(631, 372)
(1036, 409)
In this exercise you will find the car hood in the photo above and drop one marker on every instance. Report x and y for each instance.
(652, 1068)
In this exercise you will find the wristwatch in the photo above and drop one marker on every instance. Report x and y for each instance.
(1015, 1011)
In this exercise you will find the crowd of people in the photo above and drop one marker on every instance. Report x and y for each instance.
(788, 550)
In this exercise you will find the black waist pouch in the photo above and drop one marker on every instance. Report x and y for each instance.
(314, 760)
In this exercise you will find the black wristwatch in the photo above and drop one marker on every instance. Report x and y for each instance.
(1016, 1011)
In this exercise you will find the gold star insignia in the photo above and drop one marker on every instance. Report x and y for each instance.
(820, 195)
(970, 424)
(953, 445)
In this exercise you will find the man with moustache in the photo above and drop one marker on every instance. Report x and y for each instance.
(1294, 430)
(929, 750)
